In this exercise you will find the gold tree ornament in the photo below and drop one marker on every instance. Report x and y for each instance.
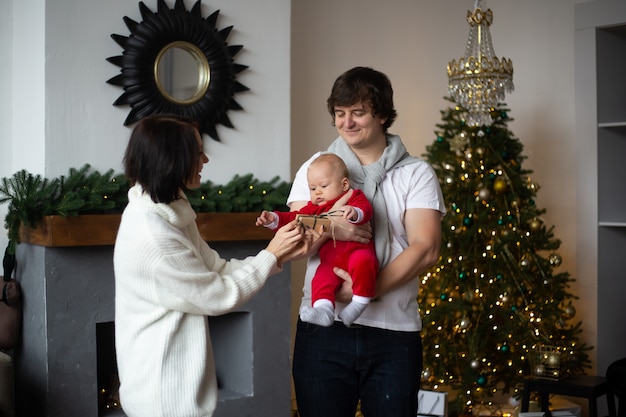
(555, 259)
(479, 80)
(499, 185)
(459, 142)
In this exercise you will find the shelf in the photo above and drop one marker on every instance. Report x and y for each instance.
(611, 189)
(101, 229)
(611, 83)
(600, 43)
(612, 224)
(612, 124)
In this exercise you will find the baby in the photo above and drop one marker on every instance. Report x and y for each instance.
(328, 179)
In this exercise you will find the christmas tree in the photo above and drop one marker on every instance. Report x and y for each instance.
(496, 302)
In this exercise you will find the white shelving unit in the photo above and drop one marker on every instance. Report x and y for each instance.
(601, 125)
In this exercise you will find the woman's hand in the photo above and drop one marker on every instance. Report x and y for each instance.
(289, 242)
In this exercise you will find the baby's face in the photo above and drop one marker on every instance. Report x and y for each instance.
(324, 183)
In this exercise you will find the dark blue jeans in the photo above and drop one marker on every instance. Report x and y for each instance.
(334, 367)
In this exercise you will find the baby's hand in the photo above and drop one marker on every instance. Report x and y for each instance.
(264, 218)
(349, 213)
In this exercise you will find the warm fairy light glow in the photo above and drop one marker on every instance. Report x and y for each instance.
(495, 301)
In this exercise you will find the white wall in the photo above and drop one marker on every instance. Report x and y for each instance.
(6, 114)
(22, 78)
(413, 41)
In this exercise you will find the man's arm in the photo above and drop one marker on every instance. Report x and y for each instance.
(297, 205)
(423, 229)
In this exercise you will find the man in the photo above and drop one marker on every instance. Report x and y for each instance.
(378, 360)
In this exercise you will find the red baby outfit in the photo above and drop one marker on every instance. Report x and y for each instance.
(358, 259)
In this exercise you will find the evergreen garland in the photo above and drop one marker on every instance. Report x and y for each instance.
(31, 197)
(86, 191)
(242, 194)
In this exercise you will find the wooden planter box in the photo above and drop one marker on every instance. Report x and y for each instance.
(101, 229)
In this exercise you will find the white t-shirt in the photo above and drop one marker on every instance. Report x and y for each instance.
(408, 187)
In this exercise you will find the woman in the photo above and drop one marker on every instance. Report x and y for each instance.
(167, 279)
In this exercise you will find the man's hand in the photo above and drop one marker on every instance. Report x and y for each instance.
(342, 229)
(342, 201)
(344, 293)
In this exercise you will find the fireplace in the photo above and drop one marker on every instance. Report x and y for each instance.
(65, 363)
(233, 349)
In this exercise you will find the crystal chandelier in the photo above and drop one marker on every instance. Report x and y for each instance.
(479, 80)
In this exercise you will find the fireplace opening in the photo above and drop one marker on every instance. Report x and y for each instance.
(232, 340)
(108, 381)
(231, 337)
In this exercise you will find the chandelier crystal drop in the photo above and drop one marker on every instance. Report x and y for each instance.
(478, 81)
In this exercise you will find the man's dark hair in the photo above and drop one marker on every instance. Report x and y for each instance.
(162, 156)
(364, 84)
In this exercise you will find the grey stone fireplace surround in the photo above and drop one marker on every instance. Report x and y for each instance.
(68, 297)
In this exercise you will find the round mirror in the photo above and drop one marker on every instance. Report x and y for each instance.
(182, 72)
(177, 61)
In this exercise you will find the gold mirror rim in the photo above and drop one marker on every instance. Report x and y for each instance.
(204, 71)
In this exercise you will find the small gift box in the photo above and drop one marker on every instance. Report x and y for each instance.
(317, 223)
(547, 362)
(432, 404)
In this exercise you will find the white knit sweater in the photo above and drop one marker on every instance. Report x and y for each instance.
(167, 280)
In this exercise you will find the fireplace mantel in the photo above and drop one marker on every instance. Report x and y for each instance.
(101, 229)
(65, 268)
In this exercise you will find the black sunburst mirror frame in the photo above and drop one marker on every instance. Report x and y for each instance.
(148, 40)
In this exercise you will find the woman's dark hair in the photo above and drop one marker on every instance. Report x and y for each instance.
(363, 84)
(162, 155)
